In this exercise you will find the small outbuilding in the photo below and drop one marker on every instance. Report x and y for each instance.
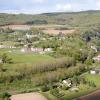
(95, 71)
(67, 83)
(97, 58)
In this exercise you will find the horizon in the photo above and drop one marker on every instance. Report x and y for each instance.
(47, 6)
(51, 12)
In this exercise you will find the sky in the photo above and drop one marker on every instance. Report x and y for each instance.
(46, 6)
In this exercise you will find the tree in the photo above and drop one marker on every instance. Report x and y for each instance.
(8, 30)
(1, 67)
(6, 59)
(76, 80)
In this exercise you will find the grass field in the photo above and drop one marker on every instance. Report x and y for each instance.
(25, 85)
(93, 78)
(19, 57)
(30, 58)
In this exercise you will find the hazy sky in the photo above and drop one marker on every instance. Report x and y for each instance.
(41, 6)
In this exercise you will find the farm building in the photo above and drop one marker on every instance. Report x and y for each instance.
(34, 50)
(94, 48)
(30, 36)
(0, 60)
(97, 59)
(95, 71)
(28, 49)
(67, 83)
(4, 46)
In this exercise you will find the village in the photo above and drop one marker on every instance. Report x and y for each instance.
(57, 65)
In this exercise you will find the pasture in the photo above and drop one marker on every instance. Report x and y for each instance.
(19, 57)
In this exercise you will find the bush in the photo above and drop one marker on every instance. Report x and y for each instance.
(92, 84)
(56, 93)
(5, 96)
(65, 87)
(44, 88)
(6, 59)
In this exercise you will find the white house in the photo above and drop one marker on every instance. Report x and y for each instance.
(4, 46)
(67, 82)
(94, 48)
(48, 50)
(30, 36)
(95, 71)
(0, 60)
(97, 59)
(34, 50)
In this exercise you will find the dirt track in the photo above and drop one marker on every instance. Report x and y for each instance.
(53, 31)
(49, 29)
(93, 96)
(28, 96)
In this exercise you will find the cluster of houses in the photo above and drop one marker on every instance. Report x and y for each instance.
(36, 50)
(4, 46)
(95, 71)
(68, 83)
(30, 36)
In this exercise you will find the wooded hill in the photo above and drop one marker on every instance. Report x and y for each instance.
(72, 19)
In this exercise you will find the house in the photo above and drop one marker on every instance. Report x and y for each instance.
(4, 46)
(95, 71)
(97, 58)
(0, 60)
(94, 48)
(36, 50)
(67, 83)
(31, 49)
(74, 89)
(30, 36)
(48, 50)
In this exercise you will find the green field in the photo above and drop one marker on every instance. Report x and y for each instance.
(93, 78)
(19, 57)
(30, 58)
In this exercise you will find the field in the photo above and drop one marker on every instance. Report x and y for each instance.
(49, 29)
(28, 96)
(19, 57)
(26, 27)
(93, 78)
(53, 31)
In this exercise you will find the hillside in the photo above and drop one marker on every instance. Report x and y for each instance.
(72, 19)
